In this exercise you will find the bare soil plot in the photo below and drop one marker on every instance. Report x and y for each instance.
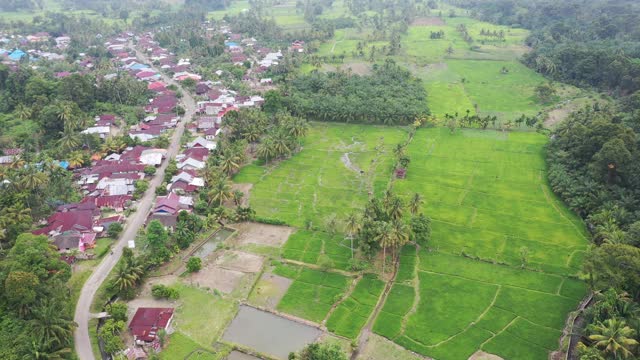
(262, 234)
(428, 21)
(214, 277)
(269, 290)
(239, 261)
(379, 348)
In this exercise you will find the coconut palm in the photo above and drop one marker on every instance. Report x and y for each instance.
(220, 192)
(266, 149)
(32, 179)
(23, 112)
(613, 337)
(76, 159)
(128, 273)
(394, 208)
(297, 127)
(230, 163)
(41, 350)
(49, 325)
(415, 203)
(69, 140)
(385, 239)
(352, 225)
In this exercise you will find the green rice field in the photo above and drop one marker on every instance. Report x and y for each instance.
(308, 246)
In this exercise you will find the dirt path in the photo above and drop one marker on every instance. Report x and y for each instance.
(366, 331)
(131, 226)
(348, 293)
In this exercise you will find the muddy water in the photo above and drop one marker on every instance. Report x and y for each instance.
(212, 244)
(268, 333)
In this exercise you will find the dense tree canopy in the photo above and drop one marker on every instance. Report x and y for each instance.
(390, 95)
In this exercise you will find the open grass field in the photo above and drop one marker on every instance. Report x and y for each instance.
(307, 246)
(316, 183)
(487, 194)
(352, 314)
(180, 346)
(459, 306)
(312, 293)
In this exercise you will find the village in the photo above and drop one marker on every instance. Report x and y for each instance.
(118, 178)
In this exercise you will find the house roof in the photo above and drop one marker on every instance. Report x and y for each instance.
(198, 153)
(148, 321)
(67, 240)
(112, 201)
(167, 204)
(79, 220)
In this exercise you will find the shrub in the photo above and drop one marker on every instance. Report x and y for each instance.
(114, 230)
(118, 311)
(149, 170)
(164, 292)
(269, 221)
(194, 264)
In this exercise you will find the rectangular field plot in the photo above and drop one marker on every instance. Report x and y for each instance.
(307, 246)
(352, 314)
(467, 305)
(487, 194)
(325, 178)
(312, 293)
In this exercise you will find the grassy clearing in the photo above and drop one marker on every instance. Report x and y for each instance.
(379, 348)
(180, 346)
(315, 184)
(307, 246)
(201, 315)
(487, 194)
(312, 293)
(352, 314)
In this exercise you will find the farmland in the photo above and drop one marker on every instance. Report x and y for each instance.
(493, 215)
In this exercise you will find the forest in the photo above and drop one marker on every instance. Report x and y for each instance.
(390, 96)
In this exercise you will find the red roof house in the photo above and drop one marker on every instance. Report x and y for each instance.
(148, 321)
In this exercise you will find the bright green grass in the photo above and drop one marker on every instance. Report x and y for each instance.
(203, 316)
(352, 314)
(314, 184)
(464, 302)
(179, 346)
(488, 197)
(497, 93)
(307, 246)
(312, 293)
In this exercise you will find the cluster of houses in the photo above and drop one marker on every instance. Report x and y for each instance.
(40, 45)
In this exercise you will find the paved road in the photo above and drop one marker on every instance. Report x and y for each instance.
(132, 225)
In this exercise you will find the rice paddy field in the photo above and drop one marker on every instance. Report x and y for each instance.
(499, 272)
(319, 182)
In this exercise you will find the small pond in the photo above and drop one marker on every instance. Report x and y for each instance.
(212, 243)
(268, 333)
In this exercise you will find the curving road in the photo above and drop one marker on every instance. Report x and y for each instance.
(131, 226)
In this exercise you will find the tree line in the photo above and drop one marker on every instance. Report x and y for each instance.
(594, 166)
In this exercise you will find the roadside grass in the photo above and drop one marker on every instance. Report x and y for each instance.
(315, 184)
(203, 316)
(312, 293)
(307, 246)
(352, 314)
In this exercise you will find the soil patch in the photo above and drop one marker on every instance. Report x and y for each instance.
(428, 21)
(239, 261)
(262, 234)
(481, 355)
(359, 68)
(145, 299)
(213, 277)
(269, 290)
(246, 189)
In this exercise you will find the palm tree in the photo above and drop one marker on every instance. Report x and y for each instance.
(266, 149)
(280, 144)
(41, 350)
(395, 208)
(49, 325)
(75, 159)
(23, 112)
(229, 163)
(415, 203)
(65, 114)
(237, 197)
(297, 128)
(614, 337)
(352, 225)
(32, 179)
(385, 239)
(220, 192)
(128, 273)
(69, 140)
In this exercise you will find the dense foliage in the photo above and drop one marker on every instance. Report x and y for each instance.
(35, 312)
(594, 43)
(594, 165)
(390, 95)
